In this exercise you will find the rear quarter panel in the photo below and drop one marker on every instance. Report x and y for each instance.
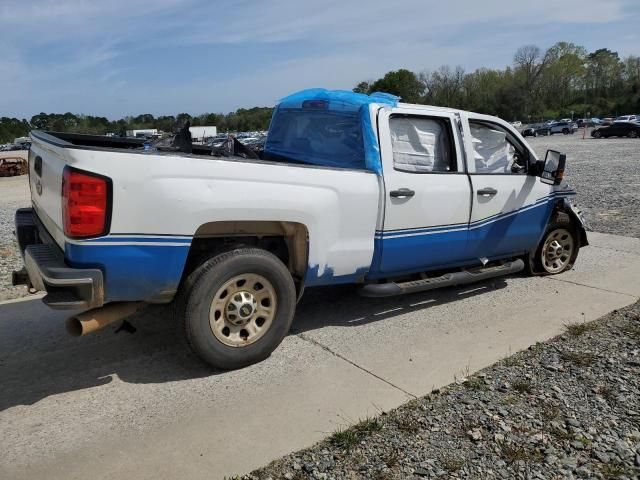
(172, 196)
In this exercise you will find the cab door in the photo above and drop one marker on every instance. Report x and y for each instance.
(427, 195)
(510, 207)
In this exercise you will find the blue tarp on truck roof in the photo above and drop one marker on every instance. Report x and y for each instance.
(327, 127)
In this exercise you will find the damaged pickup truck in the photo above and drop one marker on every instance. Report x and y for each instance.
(351, 188)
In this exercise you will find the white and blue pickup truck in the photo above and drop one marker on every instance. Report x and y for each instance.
(350, 188)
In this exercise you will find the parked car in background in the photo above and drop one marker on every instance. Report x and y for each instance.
(627, 118)
(618, 129)
(568, 120)
(606, 121)
(562, 127)
(517, 124)
(535, 130)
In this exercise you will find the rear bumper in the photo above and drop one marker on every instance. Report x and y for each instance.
(46, 270)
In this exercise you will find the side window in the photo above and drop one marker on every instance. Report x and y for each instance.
(494, 151)
(422, 145)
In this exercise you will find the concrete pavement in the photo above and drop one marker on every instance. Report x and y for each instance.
(139, 406)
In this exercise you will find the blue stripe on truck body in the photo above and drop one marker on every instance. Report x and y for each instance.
(149, 267)
(138, 268)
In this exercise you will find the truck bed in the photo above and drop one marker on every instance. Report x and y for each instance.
(162, 201)
(77, 140)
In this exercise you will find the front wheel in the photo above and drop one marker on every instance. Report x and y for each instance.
(633, 134)
(558, 250)
(597, 134)
(237, 307)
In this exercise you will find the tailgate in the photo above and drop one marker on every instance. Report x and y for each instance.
(46, 164)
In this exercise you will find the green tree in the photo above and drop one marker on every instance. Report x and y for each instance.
(403, 83)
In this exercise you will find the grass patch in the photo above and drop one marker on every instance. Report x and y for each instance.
(607, 393)
(344, 439)
(514, 453)
(577, 329)
(510, 400)
(367, 426)
(381, 475)
(580, 359)
(512, 361)
(522, 386)
(549, 412)
(392, 459)
(631, 330)
(348, 438)
(408, 425)
(452, 463)
(611, 471)
(476, 384)
(561, 435)
(583, 440)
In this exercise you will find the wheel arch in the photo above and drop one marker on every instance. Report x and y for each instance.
(564, 206)
(289, 241)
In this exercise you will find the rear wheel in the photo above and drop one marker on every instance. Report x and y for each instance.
(237, 307)
(565, 131)
(633, 134)
(558, 250)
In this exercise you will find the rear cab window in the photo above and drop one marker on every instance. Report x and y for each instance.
(422, 144)
(317, 137)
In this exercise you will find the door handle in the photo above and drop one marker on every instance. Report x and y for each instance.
(402, 193)
(487, 192)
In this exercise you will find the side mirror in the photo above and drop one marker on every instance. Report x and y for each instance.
(553, 169)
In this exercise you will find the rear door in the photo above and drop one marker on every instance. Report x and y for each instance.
(510, 207)
(427, 195)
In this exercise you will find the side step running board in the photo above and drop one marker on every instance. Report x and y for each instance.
(447, 280)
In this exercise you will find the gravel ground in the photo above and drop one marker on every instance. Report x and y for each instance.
(606, 174)
(567, 408)
(14, 193)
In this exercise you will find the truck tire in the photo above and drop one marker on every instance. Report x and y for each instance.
(237, 307)
(558, 249)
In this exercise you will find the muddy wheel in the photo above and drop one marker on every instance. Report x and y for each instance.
(558, 250)
(237, 307)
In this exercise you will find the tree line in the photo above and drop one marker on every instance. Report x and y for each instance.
(241, 120)
(537, 85)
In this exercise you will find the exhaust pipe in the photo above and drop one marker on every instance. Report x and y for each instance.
(98, 318)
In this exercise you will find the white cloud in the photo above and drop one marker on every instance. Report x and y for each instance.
(82, 55)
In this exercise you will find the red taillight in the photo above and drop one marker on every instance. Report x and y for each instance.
(85, 203)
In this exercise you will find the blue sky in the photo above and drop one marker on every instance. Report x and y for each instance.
(117, 57)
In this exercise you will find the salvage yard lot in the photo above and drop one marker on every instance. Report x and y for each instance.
(138, 406)
(605, 172)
